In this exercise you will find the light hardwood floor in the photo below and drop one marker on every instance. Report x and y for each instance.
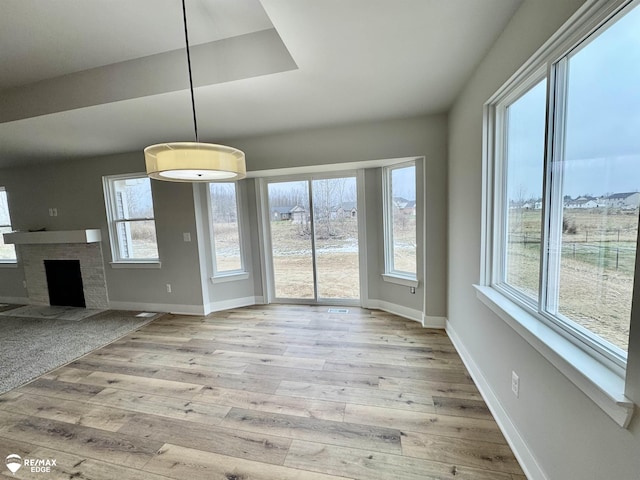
(268, 392)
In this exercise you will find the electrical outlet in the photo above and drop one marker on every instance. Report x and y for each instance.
(515, 384)
(412, 290)
(168, 288)
(186, 236)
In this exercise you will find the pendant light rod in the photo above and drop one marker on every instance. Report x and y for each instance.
(193, 100)
(194, 161)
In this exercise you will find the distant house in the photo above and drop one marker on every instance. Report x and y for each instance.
(296, 214)
(581, 202)
(628, 200)
(407, 207)
(345, 210)
(531, 204)
(400, 202)
(299, 215)
(281, 213)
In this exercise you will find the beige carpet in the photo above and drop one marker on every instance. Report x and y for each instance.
(30, 347)
(73, 314)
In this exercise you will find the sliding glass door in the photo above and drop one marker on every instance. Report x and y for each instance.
(314, 239)
(291, 241)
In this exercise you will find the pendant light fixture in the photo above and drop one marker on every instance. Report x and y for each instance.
(194, 161)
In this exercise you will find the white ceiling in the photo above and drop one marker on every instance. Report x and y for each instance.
(82, 78)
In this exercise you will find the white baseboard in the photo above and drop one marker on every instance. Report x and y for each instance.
(233, 303)
(158, 307)
(429, 321)
(400, 310)
(185, 309)
(15, 300)
(520, 449)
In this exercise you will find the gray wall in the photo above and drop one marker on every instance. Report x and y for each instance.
(570, 437)
(75, 189)
(411, 137)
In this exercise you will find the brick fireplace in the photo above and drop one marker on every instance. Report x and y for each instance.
(85, 246)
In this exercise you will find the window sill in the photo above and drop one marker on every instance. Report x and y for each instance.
(231, 277)
(9, 264)
(400, 279)
(142, 264)
(594, 379)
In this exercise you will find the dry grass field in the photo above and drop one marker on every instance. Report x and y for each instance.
(596, 270)
(337, 258)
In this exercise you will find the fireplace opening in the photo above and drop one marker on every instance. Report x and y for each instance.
(64, 282)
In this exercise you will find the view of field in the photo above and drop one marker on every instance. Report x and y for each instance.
(334, 227)
(337, 260)
(596, 266)
(226, 231)
(7, 252)
(140, 238)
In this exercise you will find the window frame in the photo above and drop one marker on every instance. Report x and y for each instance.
(14, 260)
(586, 359)
(228, 275)
(390, 273)
(113, 221)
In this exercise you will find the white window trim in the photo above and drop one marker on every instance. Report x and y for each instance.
(8, 262)
(406, 281)
(229, 275)
(136, 264)
(390, 274)
(264, 224)
(600, 379)
(109, 200)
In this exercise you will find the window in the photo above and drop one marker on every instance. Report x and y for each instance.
(565, 186)
(225, 226)
(8, 251)
(524, 152)
(400, 220)
(132, 228)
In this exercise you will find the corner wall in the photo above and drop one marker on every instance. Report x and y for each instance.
(423, 136)
(75, 189)
(558, 432)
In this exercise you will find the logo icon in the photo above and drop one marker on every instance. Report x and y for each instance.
(14, 462)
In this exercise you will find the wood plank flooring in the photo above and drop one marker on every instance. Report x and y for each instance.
(261, 393)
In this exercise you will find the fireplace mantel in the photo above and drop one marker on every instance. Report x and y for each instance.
(55, 236)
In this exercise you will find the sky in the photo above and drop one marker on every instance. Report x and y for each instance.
(602, 151)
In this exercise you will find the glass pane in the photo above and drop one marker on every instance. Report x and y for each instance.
(525, 124)
(291, 239)
(601, 177)
(403, 219)
(226, 231)
(4, 209)
(133, 198)
(335, 224)
(7, 252)
(137, 239)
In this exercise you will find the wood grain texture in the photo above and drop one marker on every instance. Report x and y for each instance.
(374, 465)
(278, 392)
